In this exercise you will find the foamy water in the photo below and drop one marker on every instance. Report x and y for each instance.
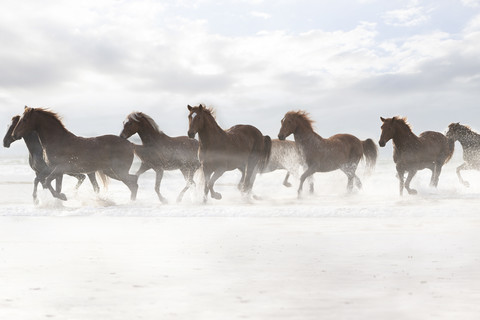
(367, 255)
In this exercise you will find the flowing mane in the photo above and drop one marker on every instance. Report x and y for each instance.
(462, 127)
(403, 122)
(55, 116)
(302, 115)
(136, 116)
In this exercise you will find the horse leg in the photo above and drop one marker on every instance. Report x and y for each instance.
(129, 180)
(304, 176)
(158, 180)
(463, 166)
(188, 175)
(438, 171)
(48, 184)
(312, 185)
(401, 177)
(241, 183)
(410, 176)
(143, 167)
(80, 177)
(216, 174)
(35, 186)
(285, 181)
(93, 181)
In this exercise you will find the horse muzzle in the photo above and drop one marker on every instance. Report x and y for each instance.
(381, 143)
(281, 136)
(191, 134)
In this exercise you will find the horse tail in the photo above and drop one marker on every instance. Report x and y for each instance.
(370, 152)
(450, 149)
(265, 153)
(103, 177)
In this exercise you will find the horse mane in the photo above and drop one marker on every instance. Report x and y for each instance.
(303, 115)
(403, 121)
(462, 126)
(208, 110)
(48, 113)
(136, 116)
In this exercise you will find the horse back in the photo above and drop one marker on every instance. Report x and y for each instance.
(243, 136)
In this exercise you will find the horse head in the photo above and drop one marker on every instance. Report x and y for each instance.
(289, 126)
(8, 139)
(388, 131)
(25, 124)
(195, 119)
(130, 125)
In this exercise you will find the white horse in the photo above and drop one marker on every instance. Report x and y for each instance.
(286, 155)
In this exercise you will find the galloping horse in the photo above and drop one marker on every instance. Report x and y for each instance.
(37, 163)
(241, 147)
(412, 153)
(161, 152)
(287, 155)
(341, 151)
(67, 153)
(470, 141)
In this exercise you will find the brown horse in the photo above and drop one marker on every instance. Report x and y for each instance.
(341, 151)
(37, 162)
(67, 153)
(470, 141)
(161, 152)
(412, 153)
(241, 147)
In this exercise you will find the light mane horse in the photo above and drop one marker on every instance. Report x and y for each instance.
(241, 147)
(470, 141)
(412, 153)
(286, 155)
(341, 151)
(66, 153)
(161, 152)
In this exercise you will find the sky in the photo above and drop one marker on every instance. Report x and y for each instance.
(346, 62)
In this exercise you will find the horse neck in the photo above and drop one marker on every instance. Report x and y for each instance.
(211, 133)
(33, 143)
(52, 132)
(150, 135)
(469, 139)
(304, 134)
(403, 138)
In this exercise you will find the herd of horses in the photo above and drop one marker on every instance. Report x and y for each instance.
(55, 151)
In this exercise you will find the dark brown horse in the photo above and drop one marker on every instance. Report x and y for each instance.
(161, 152)
(470, 141)
(431, 150)
(341, 151)
(67, 153)
(241, 147)
(37, 163)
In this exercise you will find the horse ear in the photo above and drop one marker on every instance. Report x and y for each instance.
(383, 119)
(200, 107)
(189, 107)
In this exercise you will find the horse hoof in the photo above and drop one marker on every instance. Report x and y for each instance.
(412, 192)
(287, 184)
(62, 196)
(216, 196)
(163, 200)
(466, 184)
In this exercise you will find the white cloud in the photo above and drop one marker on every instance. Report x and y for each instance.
(408, 17)
(471, 3)
(262, 15)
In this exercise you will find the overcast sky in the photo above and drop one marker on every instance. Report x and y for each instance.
(347, 62)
